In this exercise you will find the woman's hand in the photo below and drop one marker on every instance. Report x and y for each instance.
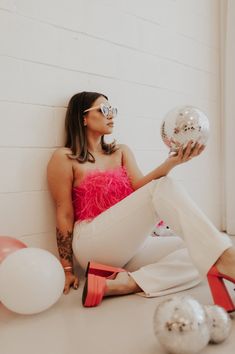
(70, 280)
(186, 154)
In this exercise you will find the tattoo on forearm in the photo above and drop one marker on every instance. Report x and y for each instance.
(64, 243)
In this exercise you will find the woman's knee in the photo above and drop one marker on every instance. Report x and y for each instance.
(165, 180)
(167, 185)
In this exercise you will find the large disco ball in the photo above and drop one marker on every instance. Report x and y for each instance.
(180, 325)
(182, 124)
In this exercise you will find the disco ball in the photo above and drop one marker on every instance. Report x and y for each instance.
(182, 124)
(180, 325)
(219, 322)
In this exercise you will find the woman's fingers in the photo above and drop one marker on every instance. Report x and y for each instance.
(76, 284)
(193, 151)
(187, 151)
(202, 147)
(71, 280)
(197, 150)
(66, 289)
(177, 157)
(180, 153)
(67, 286)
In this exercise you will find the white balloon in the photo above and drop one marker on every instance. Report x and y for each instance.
(31, 280)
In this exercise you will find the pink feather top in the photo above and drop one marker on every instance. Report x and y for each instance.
(99, 191)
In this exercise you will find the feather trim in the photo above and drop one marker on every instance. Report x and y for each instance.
(99, 191)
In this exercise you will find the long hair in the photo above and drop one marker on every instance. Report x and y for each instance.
(75, 130)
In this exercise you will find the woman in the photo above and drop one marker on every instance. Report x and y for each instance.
(106, 209)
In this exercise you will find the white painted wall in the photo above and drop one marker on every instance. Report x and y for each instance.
(227, 11)
(147, 56)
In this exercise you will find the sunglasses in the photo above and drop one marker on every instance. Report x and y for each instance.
(104, 109)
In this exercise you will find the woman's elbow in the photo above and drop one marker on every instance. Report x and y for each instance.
(66, 216)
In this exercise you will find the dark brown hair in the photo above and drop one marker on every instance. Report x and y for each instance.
(76, 138)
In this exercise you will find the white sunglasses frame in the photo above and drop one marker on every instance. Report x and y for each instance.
(101, 106)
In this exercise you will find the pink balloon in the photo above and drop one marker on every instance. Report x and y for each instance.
(9, 245)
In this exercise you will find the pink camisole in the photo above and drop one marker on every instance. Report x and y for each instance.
(99, 191)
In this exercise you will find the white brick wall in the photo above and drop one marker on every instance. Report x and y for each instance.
(147, 56)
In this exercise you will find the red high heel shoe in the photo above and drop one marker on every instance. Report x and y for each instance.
(93, 291)
(218, 289)
(102, 270)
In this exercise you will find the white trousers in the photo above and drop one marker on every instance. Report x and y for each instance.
(160, 265)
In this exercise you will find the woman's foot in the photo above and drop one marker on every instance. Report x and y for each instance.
(226, 263)
(123, 284)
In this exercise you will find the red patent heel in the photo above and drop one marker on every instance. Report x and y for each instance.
(218, 289)
(93, 291)
(102, 270)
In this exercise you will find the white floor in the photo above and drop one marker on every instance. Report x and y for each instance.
(120, 325)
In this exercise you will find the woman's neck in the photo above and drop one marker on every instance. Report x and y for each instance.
(94, 145)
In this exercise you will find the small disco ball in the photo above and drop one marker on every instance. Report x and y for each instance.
(180, 325)
(219, 323)
(182, 124)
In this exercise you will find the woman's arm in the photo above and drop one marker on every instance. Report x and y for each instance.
(138, 180)
(60, 180)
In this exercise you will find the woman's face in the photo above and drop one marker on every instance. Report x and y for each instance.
(96, 121)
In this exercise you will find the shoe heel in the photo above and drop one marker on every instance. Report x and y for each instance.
(219, 293)
(87, 269)
(93, 291)
(101, 269)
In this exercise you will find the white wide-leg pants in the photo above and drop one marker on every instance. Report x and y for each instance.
(160, 265)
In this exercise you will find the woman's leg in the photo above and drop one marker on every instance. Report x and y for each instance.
(117, 234)
(203, 241)
(163, 266)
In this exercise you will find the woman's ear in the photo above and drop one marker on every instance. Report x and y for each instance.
(84, 122)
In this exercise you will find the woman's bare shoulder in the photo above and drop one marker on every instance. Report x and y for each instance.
(60, 160)
(61, 153)
(125, 149)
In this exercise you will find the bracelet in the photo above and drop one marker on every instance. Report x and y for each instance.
(68, 268)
